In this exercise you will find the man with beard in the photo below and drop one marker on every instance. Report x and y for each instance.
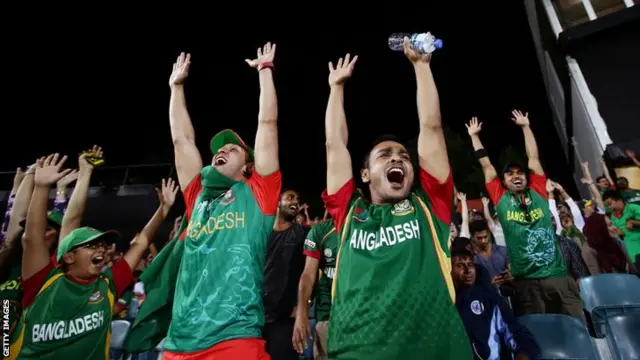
(520, 198)
(282, 270)
(230, 206)
(393, 296)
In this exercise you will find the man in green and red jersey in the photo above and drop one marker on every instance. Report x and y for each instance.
(520, 198)
(67, 300)
(393, 296)
(231, 205)
(321, 249)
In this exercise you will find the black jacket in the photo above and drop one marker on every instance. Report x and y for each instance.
(493, 330)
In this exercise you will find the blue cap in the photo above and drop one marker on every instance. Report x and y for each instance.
(437, 44)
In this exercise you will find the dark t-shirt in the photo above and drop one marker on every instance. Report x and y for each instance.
(282, 271)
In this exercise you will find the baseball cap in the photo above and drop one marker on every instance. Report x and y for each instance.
(228, 136)
(84, 235)
(54, 219)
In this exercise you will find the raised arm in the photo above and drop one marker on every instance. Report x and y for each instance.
(338, 158)
(188, 160)
(20, 205)
(606, 173)
(632, 156)
(167, 196)
(266, 146)
(464, 212)
(36, 250)
(473, 128)
(78, 202)
(593, 189)
(529, 141)
(432, 149)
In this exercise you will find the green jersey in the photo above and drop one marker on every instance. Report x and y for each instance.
(631, 237)
(65, 317)
(528, 230)
(218, 292)
(123, 304)
(11, 292)
(393, 296)
(322, 244)
(630, 196)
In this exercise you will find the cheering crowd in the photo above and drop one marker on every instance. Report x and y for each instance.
(390, 271)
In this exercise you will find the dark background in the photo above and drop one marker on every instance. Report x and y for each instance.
(87, 81)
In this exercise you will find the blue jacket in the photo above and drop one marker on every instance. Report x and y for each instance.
(491, 326)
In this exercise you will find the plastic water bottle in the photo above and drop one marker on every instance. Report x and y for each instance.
(425, 43)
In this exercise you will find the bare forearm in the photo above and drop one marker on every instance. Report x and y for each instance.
(266, 144)
(427, 97)
(37, 215)
(338, 158)
(532, 151)
(75, 210)
(335, 119)
(268, 99)
(181, 126)
(305, 289)
(142, 241)
(20, 205)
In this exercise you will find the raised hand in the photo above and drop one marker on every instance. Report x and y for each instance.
(67, 179)
(474, 126)
(82, 160)
(558, 186)
(342, 71)
(167, 194)
(630, 153)
(48, 170)
(485, 201)
(414, 55)
(461, 196)
(17, 179)
(550, 186)
(264, 55)
(180, 70)
(519, 118)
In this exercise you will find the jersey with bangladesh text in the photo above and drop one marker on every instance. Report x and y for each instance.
(218, 292)
(65, 317)
(528, 231)
(393, 295)
(322, 244)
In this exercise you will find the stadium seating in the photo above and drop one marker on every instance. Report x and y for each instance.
(119, 330)
(623, 336)
(560, 336)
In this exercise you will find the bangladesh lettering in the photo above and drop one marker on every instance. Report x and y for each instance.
(387, 236)
(66, 329)
(520, 216)
(224, 221)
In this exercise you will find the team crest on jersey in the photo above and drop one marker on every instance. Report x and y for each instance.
(96, 297)
(360, 215)
(527, 201)
(477, 307)
(328, 253)
(228, 198)
(402, 208)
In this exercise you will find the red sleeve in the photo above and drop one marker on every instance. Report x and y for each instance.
(122, 276)
(495, 190)
(191, 194)
(266, 190)
(440, 195)
(338, 203)
(314, 254)
(539, 184)
(32, 285)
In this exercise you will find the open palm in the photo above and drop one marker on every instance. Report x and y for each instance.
(48, 170)
(180, 69)
(342, 71)
(519, 118)
(474, 126)
(167, 194)
(263, 55)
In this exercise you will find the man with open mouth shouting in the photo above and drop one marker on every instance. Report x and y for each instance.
(520, 199)
(393, 296)
(68, 300)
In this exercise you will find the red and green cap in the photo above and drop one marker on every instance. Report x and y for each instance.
(54, 219)
(228, 136)
(82, 236)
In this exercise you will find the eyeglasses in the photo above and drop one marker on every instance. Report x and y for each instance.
(93, 246)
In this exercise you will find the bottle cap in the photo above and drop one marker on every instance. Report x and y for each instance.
(437, 44)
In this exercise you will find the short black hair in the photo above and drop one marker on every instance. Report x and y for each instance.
(460, 243)
(515, 164)
(478, 225)
(378, 140)
(612, 194)
(601, 177)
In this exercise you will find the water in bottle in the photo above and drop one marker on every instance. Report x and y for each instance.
(425, 43)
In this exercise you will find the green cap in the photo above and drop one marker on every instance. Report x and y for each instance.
(54, 219)
(84, 235)
(229, 136)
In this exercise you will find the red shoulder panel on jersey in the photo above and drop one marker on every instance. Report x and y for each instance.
(538, 183)
(122, 276)
(266, 191)
(32, 285)
(440, 194)
(338, 203)
(314, 254)
(495, 190)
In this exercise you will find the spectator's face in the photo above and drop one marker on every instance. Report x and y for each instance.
(230, 161)
(562, 209)
(290, 203)
(515, 180)
(588, 210)
(481, 239)
(603, 183)
(453, 232)
(390, 173)
(622, 183)
(463, 271)
(86, 261)
(567, 222)
(614, 205)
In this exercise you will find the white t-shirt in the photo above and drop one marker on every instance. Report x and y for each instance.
(498, 234)
(138, 288)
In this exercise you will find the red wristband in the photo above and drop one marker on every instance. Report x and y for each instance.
(264, 65)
